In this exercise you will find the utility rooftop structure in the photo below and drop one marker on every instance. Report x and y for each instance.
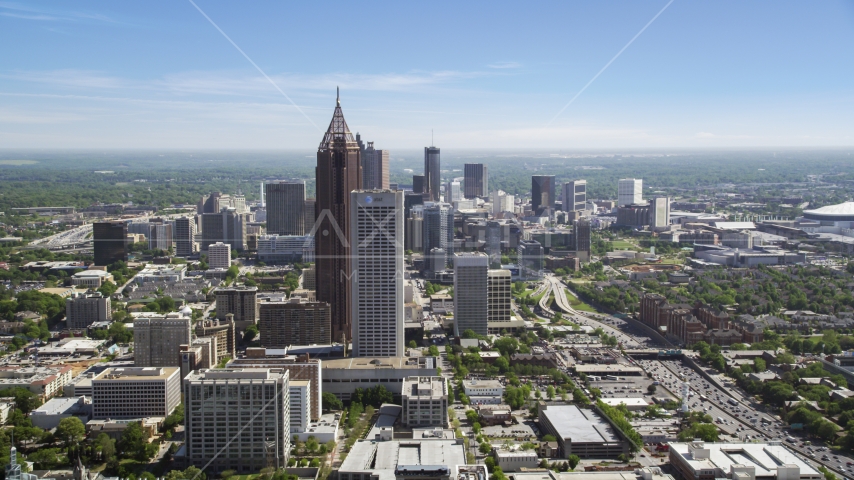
(433, 459)
(740, 461)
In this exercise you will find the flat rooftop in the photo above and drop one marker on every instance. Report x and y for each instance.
(764, 457)
(368, 456)
(368, 363)
(424, 387)
(59, 406)
(137, 373)
(607, 369)
(630, 402)
(581, 425)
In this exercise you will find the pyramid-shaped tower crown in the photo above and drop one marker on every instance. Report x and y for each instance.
(338, 131)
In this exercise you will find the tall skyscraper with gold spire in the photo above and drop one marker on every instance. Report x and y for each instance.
(338, 173)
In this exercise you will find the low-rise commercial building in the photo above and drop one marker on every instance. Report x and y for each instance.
(425, 402)
(582, 432)
(160, 274)
(424, 459)
(341, 377)
(483, 391)
(748, 461)
(43, 381)
(136, 392)
(49, 415)
(515, 461)
(91, 278)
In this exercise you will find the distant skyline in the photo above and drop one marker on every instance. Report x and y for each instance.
(97, 74)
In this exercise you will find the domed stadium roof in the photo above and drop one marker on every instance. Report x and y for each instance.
(840, 212)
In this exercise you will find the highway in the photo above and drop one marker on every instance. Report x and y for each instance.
(737, 419)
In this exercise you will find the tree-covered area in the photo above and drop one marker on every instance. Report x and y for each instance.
(620, 416)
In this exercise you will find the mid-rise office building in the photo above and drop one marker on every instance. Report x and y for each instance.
(659, 213)
(453, 192)
(499, 296)
(300, 367)
(84, 309)
(157, 339)
(339, 172)
(425, 402)
(529, 257)
(219, 255)
(222, 331)
(476, 180)
(582, 240)
(309, 213)
(503, 202)
(309, 278)
(300, 398)
(542, 193)
(377, 269)
(575, 196)
(185, 237)
(470, 292)
(242, 302)
(216, 201)
(629, 192)
(437, 217)
(136, 392)
(418, 184)
(198, 355)
(294, 322)
(286, 248)
(108, 242)
(699, 460)
(285, 204)
(160, 235)
(432, 173)
(227, 226)
(375, 168)
(245, 426)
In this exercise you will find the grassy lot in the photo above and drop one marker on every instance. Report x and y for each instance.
(578, 304)
(623, 245)
(673, 261)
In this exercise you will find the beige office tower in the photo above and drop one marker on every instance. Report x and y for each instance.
(219, 255)
(294, 322)
(376, 269)
(185, 237)
(309, 275)
(498, 296)
(237, 419)
(471, 292)
(222, 331)
(574, 196)
(157, 339)
(136, 392)
(241, 302)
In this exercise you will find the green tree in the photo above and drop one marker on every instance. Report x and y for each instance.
(250, 333)
(133, 442)
(70, 430)
(573, 461)
(331, 402)
(412, 344)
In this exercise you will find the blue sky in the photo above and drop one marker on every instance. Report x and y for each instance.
(97, 74)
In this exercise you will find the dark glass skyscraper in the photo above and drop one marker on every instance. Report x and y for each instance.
(476, 180)
(542, 192)
(285, 204)
(108, 240)
(432, 173)
(338, 173)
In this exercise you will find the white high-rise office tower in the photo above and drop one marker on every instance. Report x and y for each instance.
(574, 195)
(376, 269)
(502, 202)
(471, 310)
(659, 212)
(185, 237)
(629, 192)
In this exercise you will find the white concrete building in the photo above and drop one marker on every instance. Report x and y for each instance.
(481, 392)
(91, 278)
(136, 392)
(515, 461)
(300, 397)
(629, 191)
(425, 402)
(742, 461)
(376, 234)
(219, 255)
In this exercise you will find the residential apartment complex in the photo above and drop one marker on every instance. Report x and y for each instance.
(83, 309)
(294, 322)
(157, 339)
